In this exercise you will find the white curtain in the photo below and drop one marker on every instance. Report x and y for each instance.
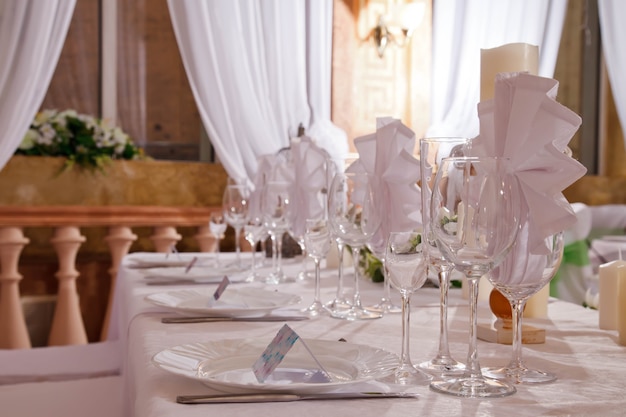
(32, 34)
(613, 30)
(258, 69)
(461, 28)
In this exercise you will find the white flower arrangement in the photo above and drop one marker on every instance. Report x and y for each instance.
(84, 140)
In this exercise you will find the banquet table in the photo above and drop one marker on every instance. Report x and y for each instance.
(589, 363)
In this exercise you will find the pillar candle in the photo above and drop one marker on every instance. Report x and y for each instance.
(513, 57)
(608, 275)
(621, 306)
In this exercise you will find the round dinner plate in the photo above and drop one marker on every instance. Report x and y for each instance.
(226, 365)
(234, 302)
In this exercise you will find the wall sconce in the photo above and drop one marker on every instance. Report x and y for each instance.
(405, 19)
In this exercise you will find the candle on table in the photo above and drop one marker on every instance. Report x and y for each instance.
(621, 306)
(609, 275)
(513, 57)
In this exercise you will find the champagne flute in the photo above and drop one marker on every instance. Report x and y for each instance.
(317, 241)
(432, 151)
(522, 274)
(253, 231)
(406, 266)
(275, 206)
(475, 211)
(217, 227)
(235, 207)
(353, 219)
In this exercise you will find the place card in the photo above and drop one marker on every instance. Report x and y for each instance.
(276, 351)
(219, 291)
(608, 276)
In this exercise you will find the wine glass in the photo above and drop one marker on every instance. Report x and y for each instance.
(253, 231)
(432, 151)
(217, 227)
(522, 274)
(406, 267)
(317, 241)
(353, 219)
(235, 208)
(475, 210)
(275, 206)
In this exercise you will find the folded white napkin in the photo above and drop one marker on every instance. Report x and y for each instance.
(525, 123)
(309, 183)
(387, 157)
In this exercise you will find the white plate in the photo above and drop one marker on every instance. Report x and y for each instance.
(226, 365)
(198, 274)
(234, 302)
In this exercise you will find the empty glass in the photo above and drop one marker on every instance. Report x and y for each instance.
(275, 213)
(432, 151)
(235, 207)
(217, 227)
(475, 211)
(353, 219)
(253, 231)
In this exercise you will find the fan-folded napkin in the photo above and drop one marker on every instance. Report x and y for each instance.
(387, 157)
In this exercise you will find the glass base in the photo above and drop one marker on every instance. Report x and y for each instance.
(356, 313)
(473, 387)
(408, 375)
(338, 306)
(278, 278)
(316, 309)
(520, 375)
(443, 365)
(386, 306)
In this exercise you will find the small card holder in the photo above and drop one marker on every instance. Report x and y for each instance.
(276, 351)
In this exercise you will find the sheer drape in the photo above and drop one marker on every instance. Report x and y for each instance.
(613, 28)
(32, 33)
(258, 69)
(461, 28)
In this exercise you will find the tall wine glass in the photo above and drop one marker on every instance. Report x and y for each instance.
(217, 227)
(253, 231)
(474, 220)
(406, 267)
(235, 207)
(353, 219)
(432, 151)
(275, 206)
(521, 275)
(317, 240)
(340, 303)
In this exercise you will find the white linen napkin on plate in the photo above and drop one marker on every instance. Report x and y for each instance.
(387, 157)
(525, 123)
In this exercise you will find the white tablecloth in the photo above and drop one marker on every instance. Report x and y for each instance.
(590, 364)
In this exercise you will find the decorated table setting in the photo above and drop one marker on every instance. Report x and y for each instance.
(239, 334)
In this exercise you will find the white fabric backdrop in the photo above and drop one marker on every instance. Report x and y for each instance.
(612, 19)
(257, 70)
(461, 28)
(32, 34)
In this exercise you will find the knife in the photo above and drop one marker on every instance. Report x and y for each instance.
(210, 319)
(279, 397)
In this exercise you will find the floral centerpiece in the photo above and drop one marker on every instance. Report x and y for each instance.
(85, 141)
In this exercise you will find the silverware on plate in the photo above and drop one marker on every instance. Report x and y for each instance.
(209, 319)
(278, 397)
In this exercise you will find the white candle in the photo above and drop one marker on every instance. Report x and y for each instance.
(608, 276)
(537, 305)
(621, 306)
(513, 57)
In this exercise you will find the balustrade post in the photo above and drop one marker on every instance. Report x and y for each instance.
(13, 331)
(119, 239)
(206, 240)
(67, 324)
(164, 238)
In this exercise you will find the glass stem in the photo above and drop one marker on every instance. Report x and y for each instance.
(274, 251)
(356, 303)
(339, 295)
(253, 268)
(317, 280)
(472, 367)
(279, 254)
(517, 309)
(386, 283)
(444, 286)
(405, 358)
(237, 246)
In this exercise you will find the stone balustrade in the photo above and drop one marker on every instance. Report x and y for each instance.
(67, 221)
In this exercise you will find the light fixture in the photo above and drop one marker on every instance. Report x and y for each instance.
(405, 19)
